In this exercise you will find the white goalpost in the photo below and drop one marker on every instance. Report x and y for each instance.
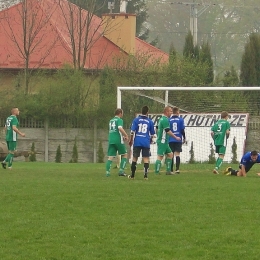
(198, 124)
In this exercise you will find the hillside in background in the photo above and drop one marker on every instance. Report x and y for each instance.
(226, 25)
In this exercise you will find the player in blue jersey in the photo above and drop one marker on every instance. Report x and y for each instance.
(246, 163)
(177, 126)
(142, 130)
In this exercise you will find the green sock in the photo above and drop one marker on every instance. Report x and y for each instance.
(158, 164)
(10, 162)
(122, 164)
(219, 162)
(108, 165)
(168, 163)
(7, 158)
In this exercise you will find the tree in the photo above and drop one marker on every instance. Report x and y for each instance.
(32, 156)
(205, 57)
(30, 20)
(58, 155)
(250, 65)
(230, 78)
(188, 49)
(84, 29)
(75, 155)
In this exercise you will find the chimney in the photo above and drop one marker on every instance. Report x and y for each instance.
(120, 28)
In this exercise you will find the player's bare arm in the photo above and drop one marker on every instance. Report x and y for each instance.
(131, 138)
(173, 135)
(123, 132)
(17, 131)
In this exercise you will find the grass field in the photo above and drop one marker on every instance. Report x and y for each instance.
(73, 212)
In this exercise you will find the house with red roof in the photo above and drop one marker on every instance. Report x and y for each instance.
(50, 33)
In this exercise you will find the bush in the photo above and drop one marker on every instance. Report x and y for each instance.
(234, 151)
(58, 155)
(212, 158)
(100, 153)
(32, 157)
(192, 157)
(75, 155)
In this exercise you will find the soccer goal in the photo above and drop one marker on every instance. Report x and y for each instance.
(200, 107)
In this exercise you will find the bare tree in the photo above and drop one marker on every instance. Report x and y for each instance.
(25, 24)
(85, 29)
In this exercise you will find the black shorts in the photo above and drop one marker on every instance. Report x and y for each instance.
(137, 150)
(176, 147)
(247, 167)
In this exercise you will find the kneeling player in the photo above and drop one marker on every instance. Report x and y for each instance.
(246, 163)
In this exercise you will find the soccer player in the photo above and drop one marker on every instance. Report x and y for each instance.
(11, 128)
(177, 126)
(116, 138)
(220, 132)
(246, 163)
(163, 147)
(142, 130)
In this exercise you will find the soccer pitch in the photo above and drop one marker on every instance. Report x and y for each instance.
(73, 212)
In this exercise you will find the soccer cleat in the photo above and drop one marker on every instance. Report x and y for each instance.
(169, 173)
(227, 171)
(107, 174)
(215, 171)
(130, 177)
(122, 174)
(3, 165)
(177, 172)
(145, 178)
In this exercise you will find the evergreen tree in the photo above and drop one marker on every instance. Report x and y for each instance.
(58, 155)
(172, 54)
(250, 65)
(100, 153)
(212, 158)
(205, 57)
(75, 155)
(234, 151)
(32, 157)
(230, 78)
(188, 50)
(192, 157)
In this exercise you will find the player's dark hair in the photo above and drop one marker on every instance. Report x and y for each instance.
(145, 110)
(253, 153)
(118, 111)
(175, 110)
(224, 114)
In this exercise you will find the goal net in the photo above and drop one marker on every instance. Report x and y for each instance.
(200, 108)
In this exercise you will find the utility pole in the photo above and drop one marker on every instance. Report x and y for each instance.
(194, 14)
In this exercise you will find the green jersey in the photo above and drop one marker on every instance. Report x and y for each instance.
(219, 129)
(11, 121)
(115, 136)
(162, 136)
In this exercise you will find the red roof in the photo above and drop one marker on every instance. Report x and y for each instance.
(51, 46)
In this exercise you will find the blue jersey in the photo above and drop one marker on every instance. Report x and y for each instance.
(247, 161)
(143, 127)
(176, 126)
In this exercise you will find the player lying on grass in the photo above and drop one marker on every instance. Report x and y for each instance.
(246, 163)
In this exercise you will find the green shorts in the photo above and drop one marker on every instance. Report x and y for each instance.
(11, 145)
(220, 149)
(163, 149)
(114, 148)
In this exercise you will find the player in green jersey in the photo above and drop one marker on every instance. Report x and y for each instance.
(163, 148)
(11, 127)
(220, 132)
(116, 138)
